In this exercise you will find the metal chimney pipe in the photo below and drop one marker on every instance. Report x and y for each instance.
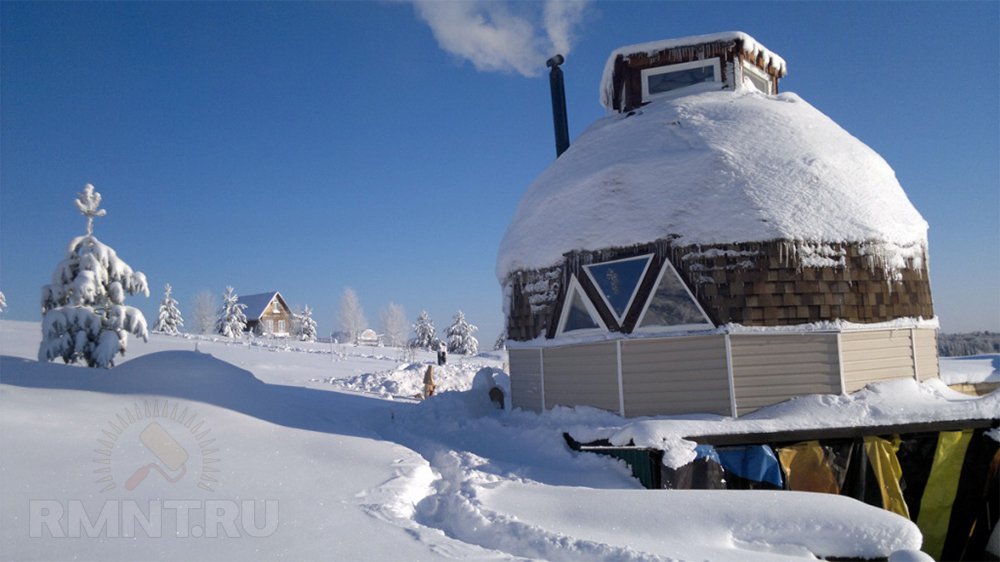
(559, 118)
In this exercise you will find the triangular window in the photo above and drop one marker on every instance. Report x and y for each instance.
(672, 306)
(618, 282)
(578, 313)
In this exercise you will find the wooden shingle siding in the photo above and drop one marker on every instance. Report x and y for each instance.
(927, 353)
(876, 356)
(526, 379)
(533, 302)
(582, 375)
(753, 284)
(773, 289)
(675, 376)
(768, 369)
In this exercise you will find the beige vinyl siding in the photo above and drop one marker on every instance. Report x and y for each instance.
(675, 376)
(875, 356)
(582, 375)
(525, 378)
(927, 354)
(768, 369)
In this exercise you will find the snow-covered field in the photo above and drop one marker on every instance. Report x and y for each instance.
(971, 370)
(194, 449)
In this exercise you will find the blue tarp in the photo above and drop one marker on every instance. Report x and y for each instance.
(752, 462)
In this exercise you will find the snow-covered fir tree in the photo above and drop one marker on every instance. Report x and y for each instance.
(169, 320)
(84, 316)
(305, 325)
(231, 321)
(425, 335)
(460, 339)
(351, 315)
(394, 324)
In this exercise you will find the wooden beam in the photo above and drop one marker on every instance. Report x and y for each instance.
(798, 435)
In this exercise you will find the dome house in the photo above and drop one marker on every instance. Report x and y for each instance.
(712, 246)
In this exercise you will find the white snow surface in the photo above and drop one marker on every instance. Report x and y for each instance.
(973, 369)
(887, 403)
(360, 477)
(634, 521)
(714, 167)
(750, 45)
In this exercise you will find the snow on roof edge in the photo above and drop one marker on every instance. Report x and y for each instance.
(750, 45)
(884, 403)
(819, 327)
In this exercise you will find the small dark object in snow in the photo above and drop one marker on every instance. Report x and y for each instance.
(496, 396)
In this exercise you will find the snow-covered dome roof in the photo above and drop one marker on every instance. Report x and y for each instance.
(711, 167)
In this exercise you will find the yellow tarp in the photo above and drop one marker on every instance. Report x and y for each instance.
(942, 485)
(882, 457)
(807, 468)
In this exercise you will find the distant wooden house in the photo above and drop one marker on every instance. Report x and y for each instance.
(267, 314)
(712, 246)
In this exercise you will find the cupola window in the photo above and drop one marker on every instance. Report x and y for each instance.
(663, 79)
(758, 78)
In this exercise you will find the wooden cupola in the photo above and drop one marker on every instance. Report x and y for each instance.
(638, 74)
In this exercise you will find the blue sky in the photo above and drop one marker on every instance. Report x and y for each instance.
(307, 147)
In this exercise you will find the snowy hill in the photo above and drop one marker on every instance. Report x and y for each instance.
(308, 451)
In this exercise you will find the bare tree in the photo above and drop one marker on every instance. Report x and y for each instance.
(203, 312)
(394, 324)
(351, 315)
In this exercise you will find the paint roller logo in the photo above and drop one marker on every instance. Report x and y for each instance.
(167, 450)
(154, 443)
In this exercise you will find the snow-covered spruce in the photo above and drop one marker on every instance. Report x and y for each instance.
(425, 335)
(231, 322)
(305, 326)
(460, 339)
(84, 316)
(169, 319)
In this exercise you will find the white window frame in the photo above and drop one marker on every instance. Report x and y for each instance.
(760, 74)
(680, 327)
(275, 306)
(647, 72)
(269, 326)
(635, 291)
(573, 289)
(281, 325)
